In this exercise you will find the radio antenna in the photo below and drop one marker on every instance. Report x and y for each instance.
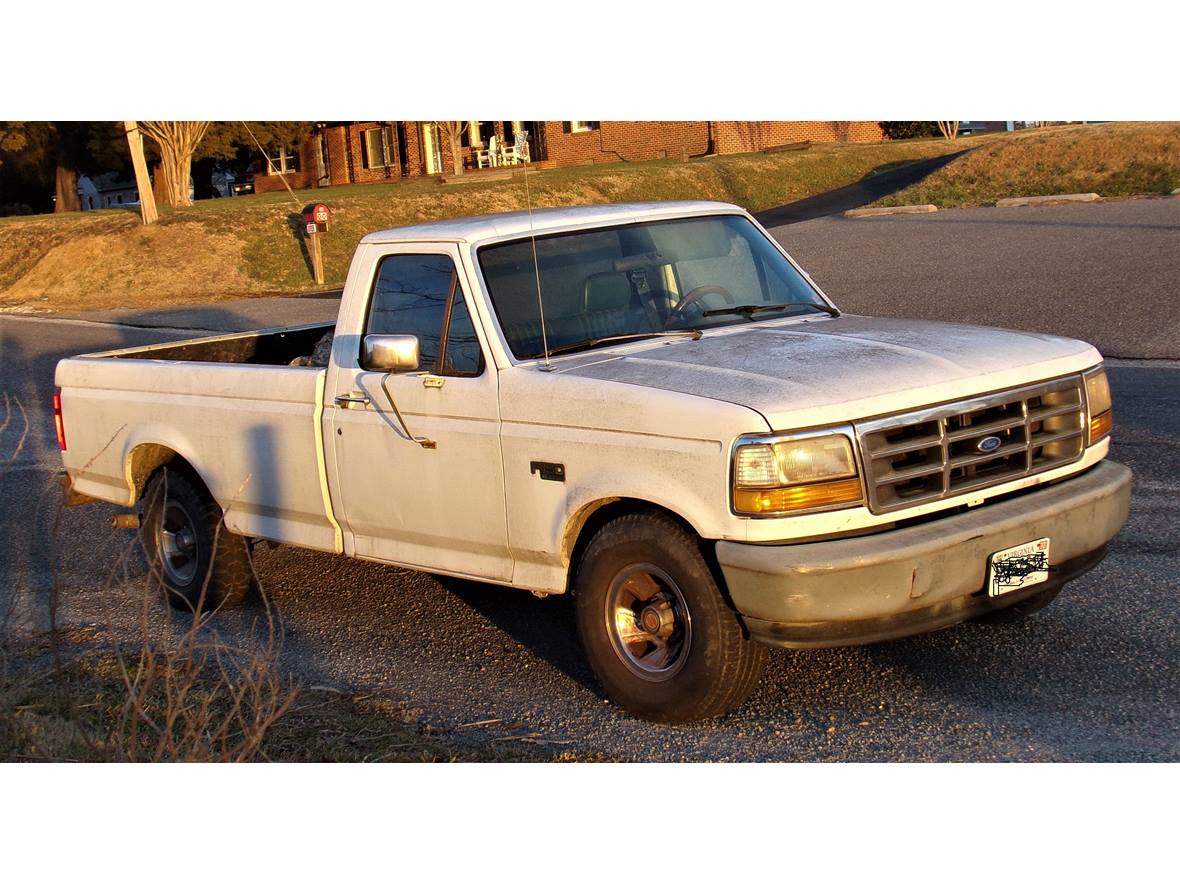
(547, 367)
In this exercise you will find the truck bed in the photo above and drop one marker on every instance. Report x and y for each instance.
(265, 347)
(229, 405)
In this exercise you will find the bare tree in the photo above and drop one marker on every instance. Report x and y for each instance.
(454, 129)
(949, 129)
(177, 140)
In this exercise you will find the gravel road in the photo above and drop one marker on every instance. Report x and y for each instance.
(1096, 676)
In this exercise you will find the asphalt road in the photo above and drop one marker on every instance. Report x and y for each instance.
(1096, 676)
(1108, 273)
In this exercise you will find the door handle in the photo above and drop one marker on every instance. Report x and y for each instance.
(348, 400)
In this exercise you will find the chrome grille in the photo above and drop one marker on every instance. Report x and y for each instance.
(935, 453)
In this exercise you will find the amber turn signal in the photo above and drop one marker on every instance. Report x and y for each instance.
(793, 498)
(1100, 426)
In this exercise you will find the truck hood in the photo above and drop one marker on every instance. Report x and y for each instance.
(833, 370)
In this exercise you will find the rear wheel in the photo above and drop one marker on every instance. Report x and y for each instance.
(654, 625)
(199, 562)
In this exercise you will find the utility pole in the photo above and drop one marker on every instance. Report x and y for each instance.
(147, 200)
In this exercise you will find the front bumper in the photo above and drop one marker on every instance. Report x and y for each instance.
(852, 591)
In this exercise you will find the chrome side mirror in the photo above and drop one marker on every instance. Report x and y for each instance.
(390, 353)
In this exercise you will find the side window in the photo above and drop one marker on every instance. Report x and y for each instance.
(411, 297)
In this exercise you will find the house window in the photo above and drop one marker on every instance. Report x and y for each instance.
(282, 163)
(377, 147)
(583, 125)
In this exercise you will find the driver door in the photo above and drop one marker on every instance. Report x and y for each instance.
(437, 508)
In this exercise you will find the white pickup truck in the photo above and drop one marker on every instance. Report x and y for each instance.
(650, 406)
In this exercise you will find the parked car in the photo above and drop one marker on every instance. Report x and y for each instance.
(651, 407)
(242, 185)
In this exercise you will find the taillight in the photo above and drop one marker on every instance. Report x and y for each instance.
(58, 422)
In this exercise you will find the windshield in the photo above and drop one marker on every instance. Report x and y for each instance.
(640, 279)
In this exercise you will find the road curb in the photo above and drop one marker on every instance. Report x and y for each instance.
(877, 211)
(1009, 202)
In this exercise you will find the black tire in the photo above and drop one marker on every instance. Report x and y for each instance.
(1018, 611)
(708, 666)
(199, 563)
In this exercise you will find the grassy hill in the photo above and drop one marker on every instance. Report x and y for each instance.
(253, 246)
(1111, 159)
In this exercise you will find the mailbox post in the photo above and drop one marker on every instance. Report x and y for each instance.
(316, 216)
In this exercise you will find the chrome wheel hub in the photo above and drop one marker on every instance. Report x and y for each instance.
(177, 544)
(648, 622)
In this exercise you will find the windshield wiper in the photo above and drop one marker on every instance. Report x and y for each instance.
(748, 310)
(694, 334)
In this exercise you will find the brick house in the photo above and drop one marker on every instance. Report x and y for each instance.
(361, 152)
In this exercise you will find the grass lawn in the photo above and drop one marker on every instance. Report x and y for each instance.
(1110, 159)
(253, 245)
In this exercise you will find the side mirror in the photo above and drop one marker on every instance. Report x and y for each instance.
(390, 353)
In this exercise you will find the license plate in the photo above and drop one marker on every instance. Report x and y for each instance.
(1018, 567)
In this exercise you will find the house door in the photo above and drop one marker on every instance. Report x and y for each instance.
(432, 145)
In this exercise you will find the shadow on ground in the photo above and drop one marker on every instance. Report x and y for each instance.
(879, 183)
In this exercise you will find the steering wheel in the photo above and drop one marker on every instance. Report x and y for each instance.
(694, 296)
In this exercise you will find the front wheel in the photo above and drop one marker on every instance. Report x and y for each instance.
(654, 625)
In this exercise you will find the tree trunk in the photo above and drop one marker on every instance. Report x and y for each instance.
(160, 189)
(175, 170)
(66, 191)
(456, 151)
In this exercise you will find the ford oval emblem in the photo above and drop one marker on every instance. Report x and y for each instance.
(989, 444)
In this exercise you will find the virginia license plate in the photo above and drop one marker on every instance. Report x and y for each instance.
(1018, 567)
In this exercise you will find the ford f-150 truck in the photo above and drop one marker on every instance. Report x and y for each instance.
(649, 406)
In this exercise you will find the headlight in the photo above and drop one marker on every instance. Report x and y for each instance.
(1098, 405)
(787, 476)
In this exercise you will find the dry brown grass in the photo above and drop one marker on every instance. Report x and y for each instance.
(1111, 159)
(93, 268)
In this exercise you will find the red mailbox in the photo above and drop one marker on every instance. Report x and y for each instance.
(317, 214)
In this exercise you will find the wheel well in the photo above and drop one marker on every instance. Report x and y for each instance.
(146, 460)
(596, 515)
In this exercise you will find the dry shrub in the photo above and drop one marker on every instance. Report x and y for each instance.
(195, 697)
(177, 691)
